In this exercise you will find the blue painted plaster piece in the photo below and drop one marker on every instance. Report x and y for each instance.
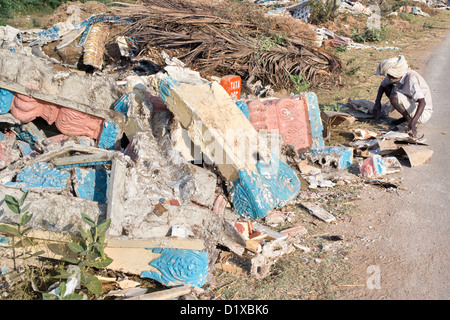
(29, 133)
(164, 87)
(255, 194)
(92, 184)
(379, 165)
(109, 135)
(179, 267)
(122, 104)
(4, 241)
(6, 98)
(41, 175)
(344, 154)
(315, 120)
(24, 147)
(243, 107)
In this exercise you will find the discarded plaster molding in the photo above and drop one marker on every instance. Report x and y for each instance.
(225, 136)
(41, 176)
(6, 98)
(287, 117)
(24, 147)
(9, 119)
(255, 194)
(179, 267)
(374, 165)
(201, 221)
(91, 94)
(91, 184)
(94, 44)
(169, 260)
(330, 157)
(314, 118)
(68, 121)
(116, 190)
(318, 212)
(192, 105)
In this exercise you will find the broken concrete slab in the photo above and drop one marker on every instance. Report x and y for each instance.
(270, 253)
(330, 157)
(205, 182)
(52, 211)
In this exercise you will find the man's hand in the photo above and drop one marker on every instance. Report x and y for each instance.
(412, 128)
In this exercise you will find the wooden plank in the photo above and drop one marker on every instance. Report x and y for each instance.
(166, 242)
(160, 242)
(164, 294)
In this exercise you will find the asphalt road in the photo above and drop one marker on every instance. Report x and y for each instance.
(429, 231)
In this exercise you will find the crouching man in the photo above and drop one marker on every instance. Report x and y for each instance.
(407, 91)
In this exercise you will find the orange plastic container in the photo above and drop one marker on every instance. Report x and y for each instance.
(232, 85)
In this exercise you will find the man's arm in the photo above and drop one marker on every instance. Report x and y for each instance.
(377, 106)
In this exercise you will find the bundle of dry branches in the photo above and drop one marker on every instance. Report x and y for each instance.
(210, 41)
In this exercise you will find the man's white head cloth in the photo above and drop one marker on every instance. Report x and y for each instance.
(396, 67)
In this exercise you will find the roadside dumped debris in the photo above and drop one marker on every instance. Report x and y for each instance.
(190, 170)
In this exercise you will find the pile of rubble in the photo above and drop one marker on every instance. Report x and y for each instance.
(181, 165)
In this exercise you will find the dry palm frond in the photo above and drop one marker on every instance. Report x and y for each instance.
(212, 43)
